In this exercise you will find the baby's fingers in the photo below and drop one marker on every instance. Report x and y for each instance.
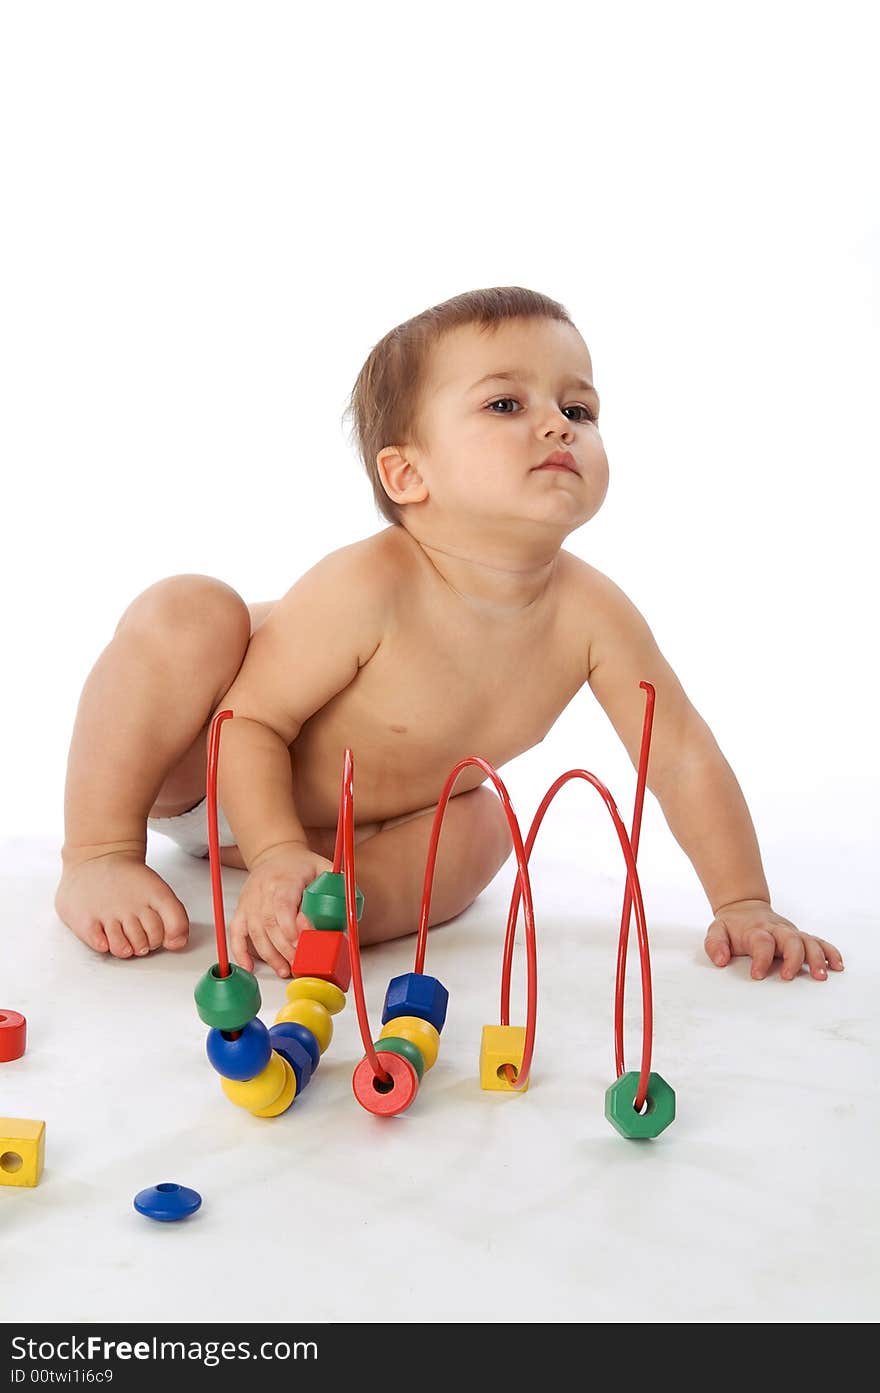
(263, 936)
(717, 944)
(762, 946)
(241, 944)
(835, 959)
(793, 955)
(818, 951)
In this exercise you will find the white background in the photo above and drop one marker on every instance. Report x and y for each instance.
(211, 212)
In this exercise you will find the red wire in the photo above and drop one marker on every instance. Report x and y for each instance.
(623, 939)
(344, 852)
(633, 890)
(520, 1080)
(214, 840)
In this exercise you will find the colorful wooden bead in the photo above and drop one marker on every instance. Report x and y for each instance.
(285, 1097)
(323, 954)
(414, 994)
(423, 1035)
(167, 1202)
(13, 1035)
(501, 1045)
(227, 1003)
(620, 1109)
(303, 1035)
(244, 1057)
(385, 1099)
(403, 1047)
(327, 993)
(312, 1015)
(296, 1055)
(261, 1091)
(22, 1149)
(323, 902)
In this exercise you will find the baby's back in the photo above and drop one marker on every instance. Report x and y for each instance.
(444, 681)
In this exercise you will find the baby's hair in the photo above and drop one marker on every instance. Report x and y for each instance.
(385, 399)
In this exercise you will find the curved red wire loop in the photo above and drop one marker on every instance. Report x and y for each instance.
(344, 855)
(521, 1078)
(213, 842)
(629, 847)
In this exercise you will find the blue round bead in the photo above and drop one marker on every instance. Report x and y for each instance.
(243, 1058)
(167, 1202)
(301, 1033)
(297, 1057)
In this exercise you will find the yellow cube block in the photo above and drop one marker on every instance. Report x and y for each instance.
(500, 1045)
(22, 1146)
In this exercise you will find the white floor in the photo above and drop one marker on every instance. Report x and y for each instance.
(758, 1204)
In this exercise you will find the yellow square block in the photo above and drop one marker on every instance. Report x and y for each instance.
(22, 1144)
(500, 1045)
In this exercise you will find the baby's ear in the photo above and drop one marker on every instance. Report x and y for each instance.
(400, 478)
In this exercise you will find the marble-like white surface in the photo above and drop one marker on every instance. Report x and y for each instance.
(759, 1203)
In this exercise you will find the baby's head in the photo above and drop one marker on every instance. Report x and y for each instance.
(455, 409)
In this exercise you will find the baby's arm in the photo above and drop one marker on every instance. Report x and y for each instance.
(697, 790)
(308, 649)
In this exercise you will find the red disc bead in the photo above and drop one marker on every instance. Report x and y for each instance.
(13, 1035)
(385, 1099)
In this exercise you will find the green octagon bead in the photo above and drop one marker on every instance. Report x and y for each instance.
(227, 1003)
(323, 902)
(395, 1045)
(620, 1110)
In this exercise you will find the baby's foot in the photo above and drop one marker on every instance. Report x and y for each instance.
(116, 904)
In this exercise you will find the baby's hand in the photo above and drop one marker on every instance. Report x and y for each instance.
(751, 927)
(267, 921)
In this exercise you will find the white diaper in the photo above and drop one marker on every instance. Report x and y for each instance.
(190, 830)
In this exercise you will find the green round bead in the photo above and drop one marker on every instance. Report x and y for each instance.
(227, 1003)
(323, 902)
(394, 1045)
(620, 1110)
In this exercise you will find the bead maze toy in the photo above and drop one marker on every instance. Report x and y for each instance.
(264, 1069)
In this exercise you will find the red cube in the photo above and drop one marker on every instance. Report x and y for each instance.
(323, 953)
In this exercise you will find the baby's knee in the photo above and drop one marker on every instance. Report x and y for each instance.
(492, 826)
(199, 610)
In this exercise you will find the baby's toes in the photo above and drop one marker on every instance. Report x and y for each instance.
(119, 944)
(136, 935)
(90, 932)
(174, 919)
(153, 926)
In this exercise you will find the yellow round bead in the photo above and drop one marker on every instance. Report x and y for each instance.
(422, 1034)
(312, 1015)
(261, 1091)
(315, 989)
(284, 1099)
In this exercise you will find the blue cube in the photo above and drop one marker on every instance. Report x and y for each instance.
(414, 994)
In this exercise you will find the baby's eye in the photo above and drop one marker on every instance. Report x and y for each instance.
(590, 415)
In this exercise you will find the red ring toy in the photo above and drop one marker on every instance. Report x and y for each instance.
(378, 1098)
(13, 1035)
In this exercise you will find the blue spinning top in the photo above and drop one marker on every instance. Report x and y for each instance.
(167, 1202)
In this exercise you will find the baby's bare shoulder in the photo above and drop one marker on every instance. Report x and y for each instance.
(349, 591)
(591, 600)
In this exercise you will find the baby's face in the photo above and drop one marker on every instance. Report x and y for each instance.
(485, 435)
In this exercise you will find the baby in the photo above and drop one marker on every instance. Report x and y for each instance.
(461, 628)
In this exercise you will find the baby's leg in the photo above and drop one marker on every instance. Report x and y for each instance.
(142, 713)
(474, 844)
